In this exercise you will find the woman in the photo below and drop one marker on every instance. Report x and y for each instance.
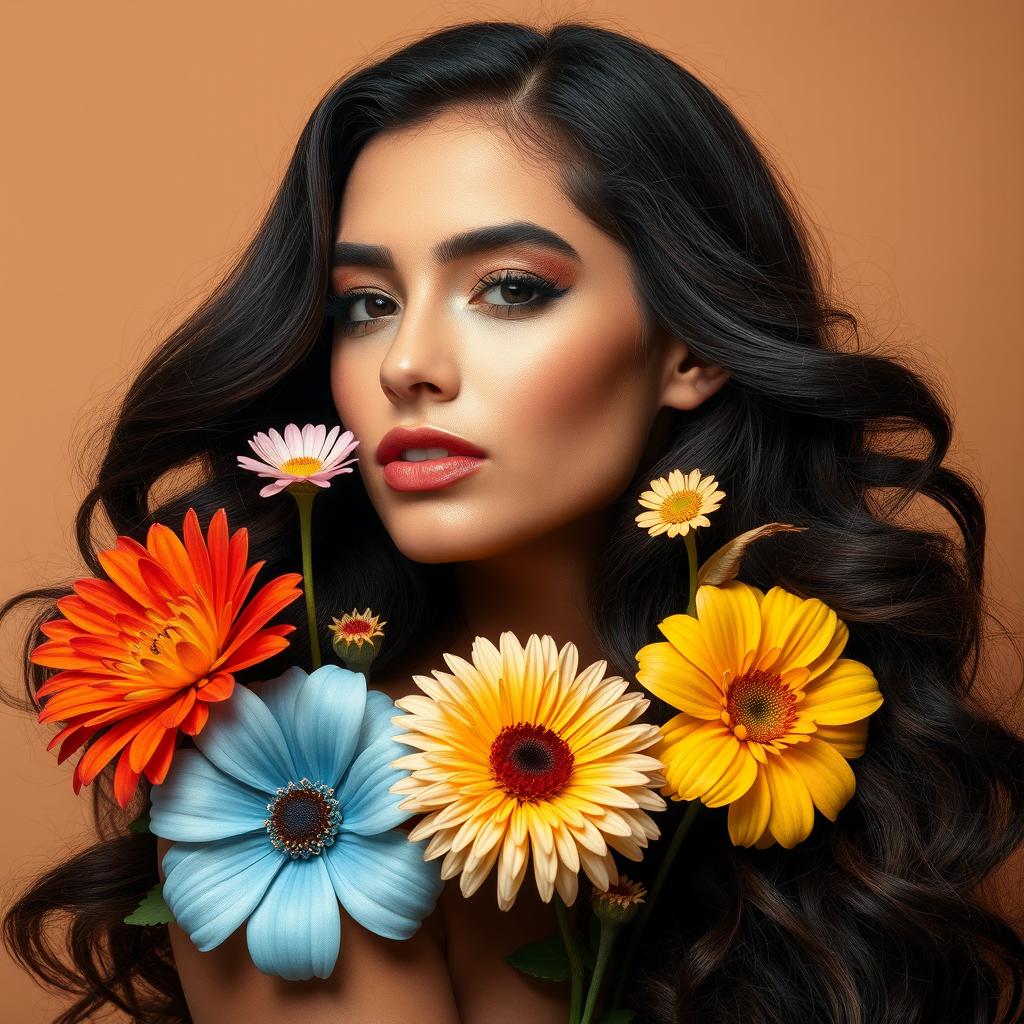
(564, 249)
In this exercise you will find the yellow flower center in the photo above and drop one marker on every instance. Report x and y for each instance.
(760, 707)
(680, 507)
(302, 465)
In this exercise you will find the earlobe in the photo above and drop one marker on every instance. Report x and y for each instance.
(689, 380)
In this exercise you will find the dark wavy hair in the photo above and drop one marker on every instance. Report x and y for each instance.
(877, 917)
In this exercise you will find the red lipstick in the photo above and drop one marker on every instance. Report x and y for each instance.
(463, 458)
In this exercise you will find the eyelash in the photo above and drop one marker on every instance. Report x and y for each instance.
(338, 306)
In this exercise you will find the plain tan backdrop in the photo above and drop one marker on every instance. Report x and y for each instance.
(144, 141)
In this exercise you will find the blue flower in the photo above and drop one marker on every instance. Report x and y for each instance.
(282, 811)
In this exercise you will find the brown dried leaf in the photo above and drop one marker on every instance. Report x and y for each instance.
(724, 564)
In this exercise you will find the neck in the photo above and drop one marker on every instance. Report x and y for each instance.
(536, 587)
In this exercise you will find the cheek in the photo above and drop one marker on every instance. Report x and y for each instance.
(350, 372)
(583, 412)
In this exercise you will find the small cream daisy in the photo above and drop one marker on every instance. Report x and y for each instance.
(679, 503)
(310, 455)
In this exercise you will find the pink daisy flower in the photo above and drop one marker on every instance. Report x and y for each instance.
(311, 455)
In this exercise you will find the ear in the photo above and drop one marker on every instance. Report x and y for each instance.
(687, 380)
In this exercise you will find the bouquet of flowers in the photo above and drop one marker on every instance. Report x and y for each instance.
(289, 802)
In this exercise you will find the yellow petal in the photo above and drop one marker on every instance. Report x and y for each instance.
(736, 779)
(843, 693)
(849, 740)
(677, 680)
(826, 773)
(696, 763)
(792, 814)
(748, 816)
(685, 634)
(730, 621)
(805, 634)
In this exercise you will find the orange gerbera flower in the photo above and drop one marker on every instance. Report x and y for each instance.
(144, 653)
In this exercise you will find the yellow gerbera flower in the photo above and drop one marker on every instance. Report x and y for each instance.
(679, 503)
(770, 712)
(517, 754)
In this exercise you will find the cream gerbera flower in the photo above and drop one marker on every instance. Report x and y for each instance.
(679, 503)
(770, 712)
(310, 455)
(517, 754)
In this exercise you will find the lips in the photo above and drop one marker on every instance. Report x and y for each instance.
(395, 441)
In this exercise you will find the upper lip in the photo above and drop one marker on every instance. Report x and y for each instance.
(396, 440)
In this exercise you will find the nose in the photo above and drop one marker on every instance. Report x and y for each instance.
(421, 359)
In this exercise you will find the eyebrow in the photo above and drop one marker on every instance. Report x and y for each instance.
(466, 243)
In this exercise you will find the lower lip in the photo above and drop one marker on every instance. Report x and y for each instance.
(430, 473)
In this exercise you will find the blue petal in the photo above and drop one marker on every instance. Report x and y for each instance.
(243, 739)
(366, 805)
(279, 695)
(380, 709)
(328, 716)
(384, 882)
(296, 930)
(197, 802)
(211, 888)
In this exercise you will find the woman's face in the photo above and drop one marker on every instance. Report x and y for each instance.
(553, 389)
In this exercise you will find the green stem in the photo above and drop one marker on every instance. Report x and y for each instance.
(575, 961)
(304, 499)
(604, 951)
(643, 917)
(691, 551)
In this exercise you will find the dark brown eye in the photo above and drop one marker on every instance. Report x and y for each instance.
(339, 307)
(515, 292)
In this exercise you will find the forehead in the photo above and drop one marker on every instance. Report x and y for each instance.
(451, 174)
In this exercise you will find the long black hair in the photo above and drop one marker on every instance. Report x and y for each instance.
(877, 917)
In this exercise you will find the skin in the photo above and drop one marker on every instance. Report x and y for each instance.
(566, 407)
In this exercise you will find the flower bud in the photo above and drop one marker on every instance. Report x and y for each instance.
(356, 638)
(619, 903)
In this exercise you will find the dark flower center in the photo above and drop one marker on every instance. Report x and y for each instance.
(304, 818)
(531, 762)
(763, 704)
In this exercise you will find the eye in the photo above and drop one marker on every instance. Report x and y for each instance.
(513, 287)
(338, 307)
(517, 292)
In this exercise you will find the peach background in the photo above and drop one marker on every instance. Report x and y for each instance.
(143, 142)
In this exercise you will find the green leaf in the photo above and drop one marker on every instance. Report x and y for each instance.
(140, 824)
(616, 1017)
(543, 959)
(151, 909)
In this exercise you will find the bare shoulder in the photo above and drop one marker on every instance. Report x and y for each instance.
(376, 980)
(479, 937)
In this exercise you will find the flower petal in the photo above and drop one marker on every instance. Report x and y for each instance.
(843, 693)
(748, 816)
(243, 738)
(197, 802)
(367, 805)
(383, 881)
(295, 932)
(730, 621)
(826, 773)
(328, 718)
(211, 888)
(792, 815)
(674, 678)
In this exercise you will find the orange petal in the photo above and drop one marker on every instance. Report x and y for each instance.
(126, 781)
(160, 762)
(220, 687)
(197, 553)
(194, 721)
(167, 549)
